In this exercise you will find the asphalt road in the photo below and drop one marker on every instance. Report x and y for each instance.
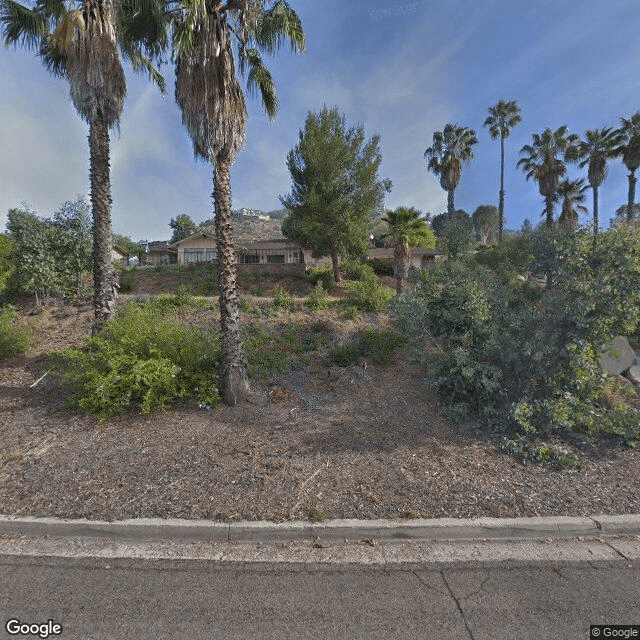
(534, 591)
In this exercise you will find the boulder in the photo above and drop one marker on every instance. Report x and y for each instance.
(617, 356)
(521, 278)
(634, 373)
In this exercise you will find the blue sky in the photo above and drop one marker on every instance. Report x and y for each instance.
(402, 70)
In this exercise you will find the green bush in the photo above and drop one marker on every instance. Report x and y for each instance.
(126, 280)
(379, 344)
(368, 295)
(321, 274)
(382, 266)
(317, 299)
(376, 344)
(351, 311)
(13, 339)
(265, 354)
(522, 361)
(344, 355)
(356, 270)
(282, 299)
(142, 357)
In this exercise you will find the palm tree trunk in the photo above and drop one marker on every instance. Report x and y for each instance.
(335, 263)
(595, 215)
(401, 260)
(105, 281)
(501, 200)
(233, 370)
(450, 204)
(632, 195)
(548, 200)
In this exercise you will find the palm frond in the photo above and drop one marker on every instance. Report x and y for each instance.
(22, 26)
(259, 79)
(139, 62)
(276, 26)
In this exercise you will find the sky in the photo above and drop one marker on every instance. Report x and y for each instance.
(403, 71)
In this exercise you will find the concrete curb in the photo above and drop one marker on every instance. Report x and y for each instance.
(387, 530)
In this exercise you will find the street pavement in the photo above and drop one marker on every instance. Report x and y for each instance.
(519, 586)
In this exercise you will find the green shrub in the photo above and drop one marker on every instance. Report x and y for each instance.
(379, 344)
(368, 295)
(317, 299)
(13, 339)
(318, 341)
(321, 274)
(382, 266)
(356, 270)
(264, 354)
(344, 355)
(351, 311)
(282, 299)
(523, 361)
(142, 357)
(126, 280)
(376, 344)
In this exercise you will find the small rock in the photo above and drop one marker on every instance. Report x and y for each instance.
(618, 356)
(521, 278)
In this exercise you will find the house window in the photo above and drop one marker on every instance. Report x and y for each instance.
(249, 259)
(277, 259)
(199, 255)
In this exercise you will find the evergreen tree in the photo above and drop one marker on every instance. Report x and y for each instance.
(335, 187)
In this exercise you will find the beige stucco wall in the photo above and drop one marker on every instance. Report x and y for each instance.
(195, 242)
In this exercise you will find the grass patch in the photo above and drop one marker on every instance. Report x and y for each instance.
(13, 339)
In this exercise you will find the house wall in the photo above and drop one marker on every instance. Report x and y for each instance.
(196, 242)
(290, 255)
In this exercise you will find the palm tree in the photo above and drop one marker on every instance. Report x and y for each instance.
(214, 113)
(541, 162)
(451, 147)
(407, 228)
(80, 44)
(503, 116)
(598, 146)
(572, 194)
(629, 149)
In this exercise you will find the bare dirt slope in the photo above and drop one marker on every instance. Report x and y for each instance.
(362, 442)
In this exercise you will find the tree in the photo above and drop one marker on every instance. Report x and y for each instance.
(406, 228)
(7, 250)
(622, 215)
(80, 44)
(451, 147)
(503, 116)
(214, 113)
(598, 146)
(572, 194)
(541, 162)
(526, 227)
(132, 248)
(486, 221)
(629, 149)
(182, 226)
(335, 187)
(456, 234)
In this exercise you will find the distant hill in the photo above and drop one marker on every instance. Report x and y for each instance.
(248, 229)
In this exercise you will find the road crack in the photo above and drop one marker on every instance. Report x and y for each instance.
(458, 605)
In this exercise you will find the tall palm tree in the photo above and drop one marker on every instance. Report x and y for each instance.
(503, 116)
(407, 228)
(573, 195)
(214, 113)
(598, 146)
(629, 149)
(541, 162)
(80, 43)
(451, 147)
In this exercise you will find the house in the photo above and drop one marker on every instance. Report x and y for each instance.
(275, 251)
(421, 257)
(159, 252)
(200, 246)
(119, 255)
